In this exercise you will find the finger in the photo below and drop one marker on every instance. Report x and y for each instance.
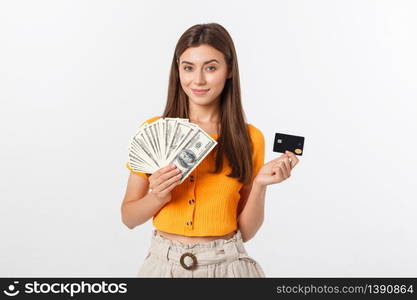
(168, 182)
(294, 159)
(287, 167)
(279, 158)
(281, 163)
(279, 175)
(163, 170)
(276, 166)
(280, 169)
(275, 160)
(169, 174)
(172, 186)
(283, 167)
(164, 176)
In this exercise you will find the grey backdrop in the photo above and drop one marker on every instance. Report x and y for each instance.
(77, 77)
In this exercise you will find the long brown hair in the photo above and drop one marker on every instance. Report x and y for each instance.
(233, 141)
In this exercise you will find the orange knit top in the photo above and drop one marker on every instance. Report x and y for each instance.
(206, 204)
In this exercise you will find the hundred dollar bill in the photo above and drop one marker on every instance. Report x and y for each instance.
(150, 132)
(141, 144)
(136, 152)
(139, 168)
(193, 152)
(150, 140)
(171, 123)
(162, 134)
(182, 141)
(158, 130)
(137, 157)
(181, 134)
(164, 141)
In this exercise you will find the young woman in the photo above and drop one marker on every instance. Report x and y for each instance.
(202, 223)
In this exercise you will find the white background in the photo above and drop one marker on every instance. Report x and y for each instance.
(77, 77)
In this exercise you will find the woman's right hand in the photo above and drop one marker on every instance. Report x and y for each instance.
(163, 181)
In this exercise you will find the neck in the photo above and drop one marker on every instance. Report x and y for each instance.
(204, 113)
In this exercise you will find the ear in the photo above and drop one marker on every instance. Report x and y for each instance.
(230, 75)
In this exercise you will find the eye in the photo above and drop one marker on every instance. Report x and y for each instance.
(213, 68)
(185, 68)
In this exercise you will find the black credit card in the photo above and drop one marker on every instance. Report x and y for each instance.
(293, 143)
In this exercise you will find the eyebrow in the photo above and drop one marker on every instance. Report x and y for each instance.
(206, 62)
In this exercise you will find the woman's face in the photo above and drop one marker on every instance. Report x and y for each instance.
(202, 68)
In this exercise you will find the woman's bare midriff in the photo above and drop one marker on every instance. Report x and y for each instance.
(186, 240)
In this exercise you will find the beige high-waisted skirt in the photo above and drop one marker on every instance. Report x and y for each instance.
(217, 258)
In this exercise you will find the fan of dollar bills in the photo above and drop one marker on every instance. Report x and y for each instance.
(167, 141)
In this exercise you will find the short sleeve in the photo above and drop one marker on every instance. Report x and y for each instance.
(144, 175)
(151, 120)
(258, 155)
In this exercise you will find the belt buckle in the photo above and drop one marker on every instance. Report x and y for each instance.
(192, 257)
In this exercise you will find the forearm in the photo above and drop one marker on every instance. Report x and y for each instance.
(137, 212)
(252, 216)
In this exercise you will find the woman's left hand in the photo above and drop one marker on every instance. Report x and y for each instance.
(277, 170)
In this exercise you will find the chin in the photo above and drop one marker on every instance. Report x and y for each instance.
(201, 101)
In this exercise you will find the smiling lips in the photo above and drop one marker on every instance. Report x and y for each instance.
(199, 92)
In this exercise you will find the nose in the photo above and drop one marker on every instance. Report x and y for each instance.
(199, 78)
